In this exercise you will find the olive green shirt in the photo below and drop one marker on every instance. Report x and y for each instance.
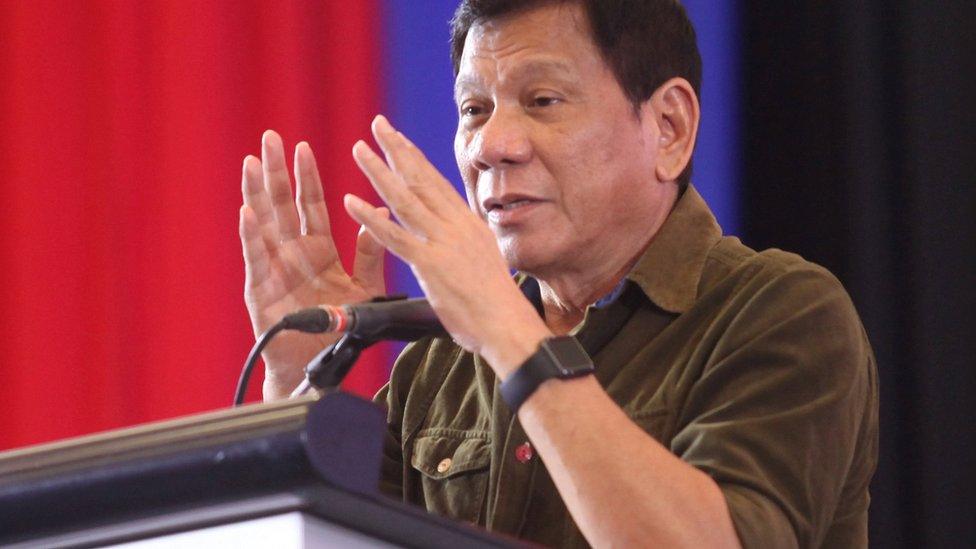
(752, 367)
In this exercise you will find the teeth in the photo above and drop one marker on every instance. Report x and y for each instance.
(513, 205)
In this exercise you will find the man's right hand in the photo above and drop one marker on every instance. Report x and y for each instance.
(291, 261)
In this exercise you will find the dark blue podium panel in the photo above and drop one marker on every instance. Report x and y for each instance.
(317, 455)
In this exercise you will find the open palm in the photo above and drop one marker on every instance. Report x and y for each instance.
(291, 261)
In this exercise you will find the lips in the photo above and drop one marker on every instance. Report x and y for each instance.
(507, 201)
(509, 209)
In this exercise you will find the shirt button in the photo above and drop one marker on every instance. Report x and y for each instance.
(444, 465)
(523, 452)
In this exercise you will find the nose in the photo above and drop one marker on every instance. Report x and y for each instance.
(501, 140)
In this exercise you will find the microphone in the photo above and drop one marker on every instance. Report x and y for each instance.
(396, 318)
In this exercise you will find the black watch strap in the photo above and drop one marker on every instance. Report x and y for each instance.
(557, 357)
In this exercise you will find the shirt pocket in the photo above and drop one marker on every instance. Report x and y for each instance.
(453, 468)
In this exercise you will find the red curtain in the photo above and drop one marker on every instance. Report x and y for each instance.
(124, 125)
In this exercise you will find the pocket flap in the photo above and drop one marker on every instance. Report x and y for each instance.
(443, 453)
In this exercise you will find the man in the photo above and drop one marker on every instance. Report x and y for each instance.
(734, 395)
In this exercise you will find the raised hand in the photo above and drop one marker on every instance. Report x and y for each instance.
(290, 258)
(451, 251)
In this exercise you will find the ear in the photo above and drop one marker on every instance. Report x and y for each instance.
(676, 111)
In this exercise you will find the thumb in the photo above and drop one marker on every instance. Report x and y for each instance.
(367, 266)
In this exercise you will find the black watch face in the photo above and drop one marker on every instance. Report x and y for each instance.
(569, 355)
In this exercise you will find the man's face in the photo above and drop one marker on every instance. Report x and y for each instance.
(551, 151)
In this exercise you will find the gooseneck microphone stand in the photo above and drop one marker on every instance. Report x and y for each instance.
(330, 366)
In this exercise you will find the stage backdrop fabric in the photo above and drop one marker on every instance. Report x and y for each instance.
(124, 129)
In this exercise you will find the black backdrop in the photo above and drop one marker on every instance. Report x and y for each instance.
(859, 151)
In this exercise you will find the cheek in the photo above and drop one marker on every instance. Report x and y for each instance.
(580, 163)
(460, 153)
(472, 195)
(468, 175)
(598, 166)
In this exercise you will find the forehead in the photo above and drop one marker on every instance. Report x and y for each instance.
(549, 39)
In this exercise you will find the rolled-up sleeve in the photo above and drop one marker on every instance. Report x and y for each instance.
(784, 411)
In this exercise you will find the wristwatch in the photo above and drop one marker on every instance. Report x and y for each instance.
(558, 357)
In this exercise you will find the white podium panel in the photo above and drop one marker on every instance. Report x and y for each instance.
(286, 531)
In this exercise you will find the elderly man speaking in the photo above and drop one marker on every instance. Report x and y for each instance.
(643, 380)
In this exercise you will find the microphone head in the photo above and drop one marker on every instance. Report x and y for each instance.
(314, 320)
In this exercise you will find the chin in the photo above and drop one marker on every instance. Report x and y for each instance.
(525, 259)
(536, 252)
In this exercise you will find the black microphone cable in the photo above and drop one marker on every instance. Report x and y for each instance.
(307, 320)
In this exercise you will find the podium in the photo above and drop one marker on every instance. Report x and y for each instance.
(302, 473)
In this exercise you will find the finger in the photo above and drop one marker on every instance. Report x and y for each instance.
(256, 198)
(404, 158)
(367, 267)
(392, 236)
(445, 189)
(278, 185)
(312, 211)
(257, 259)
(405, 204)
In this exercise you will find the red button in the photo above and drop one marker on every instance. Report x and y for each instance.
(523, 452)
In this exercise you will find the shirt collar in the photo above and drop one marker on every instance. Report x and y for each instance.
(670, 269)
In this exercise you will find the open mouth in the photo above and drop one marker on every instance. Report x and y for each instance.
(507, 202)
(510, 205)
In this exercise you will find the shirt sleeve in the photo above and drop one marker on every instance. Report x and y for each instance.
(777, 417)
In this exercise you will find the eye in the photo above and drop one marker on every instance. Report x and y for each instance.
(544, 101)
(470, 109)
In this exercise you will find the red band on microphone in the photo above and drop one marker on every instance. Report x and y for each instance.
(339, 319)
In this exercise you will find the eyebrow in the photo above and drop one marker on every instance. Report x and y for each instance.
(465, 81)
(533, 69)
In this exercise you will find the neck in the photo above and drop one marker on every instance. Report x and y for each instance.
(565, 299)
(566, 294)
